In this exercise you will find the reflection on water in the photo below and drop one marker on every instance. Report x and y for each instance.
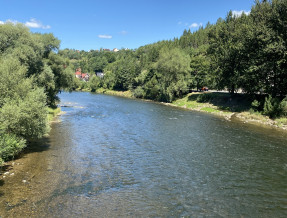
(114, 157)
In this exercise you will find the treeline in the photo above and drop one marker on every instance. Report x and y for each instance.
(247, 52)
(31, 75)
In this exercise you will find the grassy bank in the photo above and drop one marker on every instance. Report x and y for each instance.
(126, 94)
(238, 106)
(53, 112)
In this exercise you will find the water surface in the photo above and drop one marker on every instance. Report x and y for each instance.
(112, 156)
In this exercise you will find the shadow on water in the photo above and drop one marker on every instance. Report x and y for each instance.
(38, 145)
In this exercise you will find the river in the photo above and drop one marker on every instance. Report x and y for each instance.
(110, 156)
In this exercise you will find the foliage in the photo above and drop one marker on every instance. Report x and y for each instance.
(246, 52)
(22, 105)
(31, 75)
(255, 105)
(272, 107)
(94, 83)
(10, 146)
(174, 66)
(139, 92)
(283, 107)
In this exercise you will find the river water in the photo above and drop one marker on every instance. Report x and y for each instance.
(111, 157)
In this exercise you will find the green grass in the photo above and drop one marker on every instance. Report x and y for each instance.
(127, 94)
(209, 110)
(281, 122)
(53, 112)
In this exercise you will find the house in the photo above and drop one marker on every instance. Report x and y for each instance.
(100, 74)
(82, 76)
(115, 50)
(78, 74)
(85, 77)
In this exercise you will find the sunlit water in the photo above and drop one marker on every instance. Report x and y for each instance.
(111, 157)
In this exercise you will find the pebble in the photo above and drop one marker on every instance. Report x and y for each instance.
(6, 173)
(12, 174)
(24, 181)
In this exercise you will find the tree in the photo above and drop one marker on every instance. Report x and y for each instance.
(23, 108)
(227, 51)
(173, 69)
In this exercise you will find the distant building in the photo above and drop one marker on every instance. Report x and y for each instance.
(106, 49)
(85, 77)
(100, 74)
(82, 76)
(115, 50)
(78, 75)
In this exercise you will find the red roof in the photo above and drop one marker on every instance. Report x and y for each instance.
(78, 73)
(83, 75)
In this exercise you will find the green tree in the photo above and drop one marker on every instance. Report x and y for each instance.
(23, 108)
(173, 69)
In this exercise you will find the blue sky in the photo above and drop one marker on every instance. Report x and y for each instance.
(95, 24)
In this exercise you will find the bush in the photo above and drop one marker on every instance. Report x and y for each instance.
(26, 117)
(10, 145)
(139, 92)
(272, 107)
(283, 107)
(94, 83)
(255, 105)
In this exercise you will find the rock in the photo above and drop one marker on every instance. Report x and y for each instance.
(6, 173)
(4, 177)
(12, 174)
(24, 181)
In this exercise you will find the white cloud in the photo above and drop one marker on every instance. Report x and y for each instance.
(105, 36)
(33, 23)
(195, 25)
(10, 21)
(239, 13)
(124, 32)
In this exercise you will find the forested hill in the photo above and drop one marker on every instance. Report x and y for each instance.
(245, 52)
(31, 75)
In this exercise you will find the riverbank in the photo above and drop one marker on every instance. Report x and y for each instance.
(15, 147)
(53, 113)
(230, 107)
(217, 103)
(124, 143)
(126, 94)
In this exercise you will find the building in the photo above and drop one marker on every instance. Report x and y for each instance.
(100, 74)
(82, 76)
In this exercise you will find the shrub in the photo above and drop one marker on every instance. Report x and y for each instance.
(255, 105)
(272, 107)
(139, 92)
(283, 107)
(10, 145)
